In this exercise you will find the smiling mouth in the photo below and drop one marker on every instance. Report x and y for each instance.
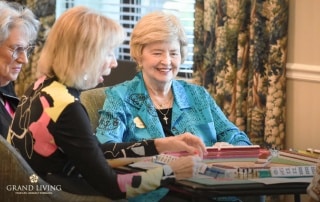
(164, 69)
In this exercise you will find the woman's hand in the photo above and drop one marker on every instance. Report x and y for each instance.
(185, 167)
(185, 142)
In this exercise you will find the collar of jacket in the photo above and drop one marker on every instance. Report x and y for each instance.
(10, 98)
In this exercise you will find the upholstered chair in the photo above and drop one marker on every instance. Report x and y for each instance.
(16, 174)
(93, 100)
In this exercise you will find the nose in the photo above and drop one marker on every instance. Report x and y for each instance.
(114, 62)
(22, 57)
(166, 59)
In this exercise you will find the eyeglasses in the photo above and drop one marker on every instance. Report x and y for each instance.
(18, 50)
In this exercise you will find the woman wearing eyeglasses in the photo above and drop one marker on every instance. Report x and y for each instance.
(18, 29)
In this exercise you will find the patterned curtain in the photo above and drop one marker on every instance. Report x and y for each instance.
(45, 12)
(240, 57)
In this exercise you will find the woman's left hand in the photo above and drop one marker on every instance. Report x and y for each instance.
(184, 142)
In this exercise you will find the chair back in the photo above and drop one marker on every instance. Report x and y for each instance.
(93, 100)
(16, 172)
(125, 71)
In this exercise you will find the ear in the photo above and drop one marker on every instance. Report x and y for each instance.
(139, 62)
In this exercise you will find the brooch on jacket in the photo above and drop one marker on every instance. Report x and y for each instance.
(138, 122)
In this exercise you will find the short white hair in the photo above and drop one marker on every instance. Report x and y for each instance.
(15, 15)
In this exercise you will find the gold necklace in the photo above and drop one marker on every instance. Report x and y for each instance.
(161, 106)
(165, 118)
(155, 98)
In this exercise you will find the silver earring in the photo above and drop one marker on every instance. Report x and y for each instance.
(85, 77)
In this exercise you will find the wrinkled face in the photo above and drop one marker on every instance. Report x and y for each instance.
(160, 61)
(13, 54)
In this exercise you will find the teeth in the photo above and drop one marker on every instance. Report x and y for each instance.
(164, 70)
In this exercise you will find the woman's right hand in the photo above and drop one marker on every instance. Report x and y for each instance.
(185, 167)
(181, 143)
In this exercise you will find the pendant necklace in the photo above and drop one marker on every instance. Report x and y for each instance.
(161, 106)
(165, 118)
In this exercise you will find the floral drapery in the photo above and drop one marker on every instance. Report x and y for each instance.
(240, 54)
(45, 12)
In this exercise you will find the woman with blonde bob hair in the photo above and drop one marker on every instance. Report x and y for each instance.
(165, 105)
(52, 129)
(167, 29)
(155, 104)
(74, 60)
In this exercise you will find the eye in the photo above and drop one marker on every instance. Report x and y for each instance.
(18, 50)
(175, 53)
(156, 53)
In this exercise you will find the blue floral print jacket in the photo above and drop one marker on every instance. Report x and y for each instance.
(128, 115)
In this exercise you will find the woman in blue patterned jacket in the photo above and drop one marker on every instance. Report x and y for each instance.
(154, 104)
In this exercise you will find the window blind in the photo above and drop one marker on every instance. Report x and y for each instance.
(128, 12)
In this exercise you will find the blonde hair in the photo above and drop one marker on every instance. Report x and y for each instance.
(157, 26)
(77, 47)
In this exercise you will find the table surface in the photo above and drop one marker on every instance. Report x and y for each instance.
(202, 190)
(296, 187)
